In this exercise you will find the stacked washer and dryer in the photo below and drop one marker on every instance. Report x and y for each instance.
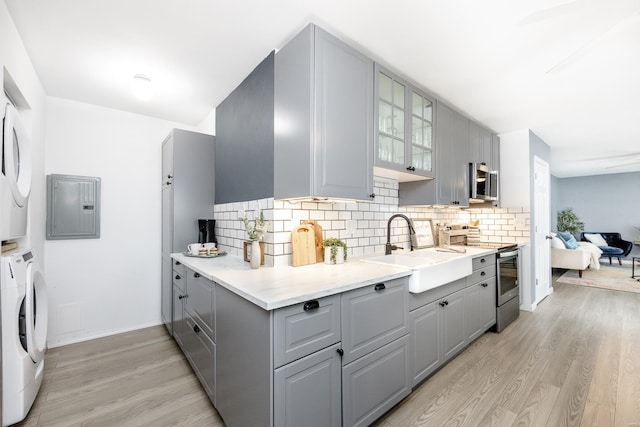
(23, 300)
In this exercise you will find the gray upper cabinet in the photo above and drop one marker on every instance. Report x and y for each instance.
(404, 131)
(483, 146)
(452, 157)
(323, 134)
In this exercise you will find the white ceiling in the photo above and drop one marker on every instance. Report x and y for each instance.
(568, 70)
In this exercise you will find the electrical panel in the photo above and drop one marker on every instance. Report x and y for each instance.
(73, 207)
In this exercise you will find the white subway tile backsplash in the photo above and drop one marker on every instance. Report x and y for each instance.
(369, 219)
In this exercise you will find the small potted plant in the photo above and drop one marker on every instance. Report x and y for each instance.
(335, 251)
(256, 232)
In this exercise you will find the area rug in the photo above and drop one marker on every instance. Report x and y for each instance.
(614, 277)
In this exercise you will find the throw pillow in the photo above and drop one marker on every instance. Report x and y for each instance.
(596, 239)
(568, 240)
(557, 243)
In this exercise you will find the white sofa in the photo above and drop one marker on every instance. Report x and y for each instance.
(585, 256)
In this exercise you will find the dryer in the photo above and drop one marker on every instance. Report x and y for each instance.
(15, 179)
(24, 333)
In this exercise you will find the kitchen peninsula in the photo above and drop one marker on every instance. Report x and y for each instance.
(306, 344)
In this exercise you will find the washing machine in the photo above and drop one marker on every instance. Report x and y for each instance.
(15, 179)
(24, 333)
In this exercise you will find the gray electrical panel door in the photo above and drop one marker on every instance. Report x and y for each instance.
(73, 207)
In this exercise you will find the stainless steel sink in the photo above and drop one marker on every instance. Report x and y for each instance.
(430, 268)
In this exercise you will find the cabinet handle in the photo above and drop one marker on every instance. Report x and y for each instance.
(168, 182)
(196, 275)
(372, 195)
(169, 176)
(482, 260)
(178, 277)
(196, 329)
(484, 285)
(340, 352)
(444, 303)
(483, 273)
(379, 287)
(182, 296)
(311, 305)
(178, 263)
(411, 168)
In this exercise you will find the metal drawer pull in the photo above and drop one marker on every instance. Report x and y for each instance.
(444, 303)
(311, 305)
(379, 287)
(196, 275)
(182, 296)
(196, 329)
(484, 273)
(483, 260)
(178, 263)
(340, 352)
(178, 277)
(484, 285)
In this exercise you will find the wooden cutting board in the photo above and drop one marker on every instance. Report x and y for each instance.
(303, 245)
(317, 231)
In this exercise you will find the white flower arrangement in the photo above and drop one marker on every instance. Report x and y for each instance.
(259, 228)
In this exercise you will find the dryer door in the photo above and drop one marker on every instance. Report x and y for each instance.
(16, 161)
(36, 313)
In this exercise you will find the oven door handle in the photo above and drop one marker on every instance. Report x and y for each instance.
(507, 254)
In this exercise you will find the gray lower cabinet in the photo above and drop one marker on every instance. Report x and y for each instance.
(445, 320)
(376, 382)
(195, 329)
(307, 392)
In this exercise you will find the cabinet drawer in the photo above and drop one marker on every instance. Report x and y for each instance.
(200, 301)
(304, 328)
(178, 267)
(481, 274)
(483, 261)
(178, 280)
(200, 350)
(374, 316)
(307, 392)
(375, 383)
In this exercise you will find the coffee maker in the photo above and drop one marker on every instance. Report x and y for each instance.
(206, 231)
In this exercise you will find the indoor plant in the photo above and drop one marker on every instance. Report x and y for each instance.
(334, 246)
(256, 233)
(568, 221)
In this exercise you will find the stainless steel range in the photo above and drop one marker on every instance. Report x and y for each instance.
(508, 275)
(508, 279)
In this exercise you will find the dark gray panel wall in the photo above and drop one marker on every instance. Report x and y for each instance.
(604, 202)
(244, 138)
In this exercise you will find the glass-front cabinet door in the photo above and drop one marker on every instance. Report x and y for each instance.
(404, 135)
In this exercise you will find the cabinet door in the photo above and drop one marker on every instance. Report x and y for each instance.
(452, 153)
(344, 119)
(453, 336)
(178, 315)
(480, 308)
(373, 316)
(425, 336)
(392, 112)
(200, 350)
(375, 383)
(307, 392)
(421, 137)
(200, 301)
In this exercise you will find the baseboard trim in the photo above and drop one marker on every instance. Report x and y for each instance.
(76, 340)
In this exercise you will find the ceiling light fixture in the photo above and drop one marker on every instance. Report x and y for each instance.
(142, 87)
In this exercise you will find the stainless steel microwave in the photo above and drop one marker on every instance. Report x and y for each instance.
(483, 183)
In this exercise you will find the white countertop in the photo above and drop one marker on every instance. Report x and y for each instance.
(275, 287)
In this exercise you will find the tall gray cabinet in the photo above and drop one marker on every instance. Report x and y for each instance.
(187, 195)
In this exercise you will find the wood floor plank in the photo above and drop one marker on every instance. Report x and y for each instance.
(538, 406)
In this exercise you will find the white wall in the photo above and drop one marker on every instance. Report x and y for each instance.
(103, 286)
(514, 169)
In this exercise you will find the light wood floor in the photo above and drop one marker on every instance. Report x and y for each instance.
(574, 361)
